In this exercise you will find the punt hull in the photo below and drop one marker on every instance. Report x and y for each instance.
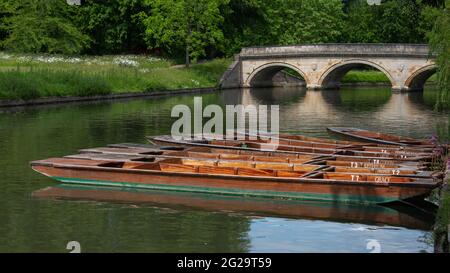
(268, 187)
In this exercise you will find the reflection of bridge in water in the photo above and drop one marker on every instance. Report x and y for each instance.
(368, 108)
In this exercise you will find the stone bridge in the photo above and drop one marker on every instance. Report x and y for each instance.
(322, 66)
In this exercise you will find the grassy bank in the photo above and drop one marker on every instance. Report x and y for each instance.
(370, 76)
(34, 76)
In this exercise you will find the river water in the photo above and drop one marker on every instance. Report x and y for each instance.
(108, 220)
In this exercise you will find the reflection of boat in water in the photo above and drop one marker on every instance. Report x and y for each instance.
(402, 216)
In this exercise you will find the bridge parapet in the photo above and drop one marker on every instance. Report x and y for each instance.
(420, 50)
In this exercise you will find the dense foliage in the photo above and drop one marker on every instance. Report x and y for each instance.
(40, 26)
(207, 28)
(185, 26)
(440, 44)
(115, 26)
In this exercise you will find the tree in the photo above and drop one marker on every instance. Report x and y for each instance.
(43, 26)
(6, 11)
(244, 25)
(394, 21)
(440, 45)
(115, 26)
(289, 22)
(281, 22)
(185, 25)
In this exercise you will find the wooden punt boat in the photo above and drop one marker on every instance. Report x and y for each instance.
(265, 145)
(398, 215)
(275, 162)
(258, 162)
(140, 150)
(376, 137)
(340, 144)
(229, 178)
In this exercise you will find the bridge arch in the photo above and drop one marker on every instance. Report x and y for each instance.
(418, 78)
(332, 76)
(264, 74)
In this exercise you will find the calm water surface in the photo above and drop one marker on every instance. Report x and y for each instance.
(169, 222)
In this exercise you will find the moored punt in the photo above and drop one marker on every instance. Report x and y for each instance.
(300, 140)
(139, 150)
(260, 145)
(376, 137)
(303, 182)
(398, 215)
(223, 157)
(295, 137)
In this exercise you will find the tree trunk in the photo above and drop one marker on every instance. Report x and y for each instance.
(188, 42)
(187, 60)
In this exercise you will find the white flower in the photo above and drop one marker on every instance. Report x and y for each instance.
(4, 56)
(125, 61)
(73, 60)
(153, 59)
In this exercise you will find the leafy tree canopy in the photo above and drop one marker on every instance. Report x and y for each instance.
(42, 26)
(115, 26)
(440, 44)
(185, 25)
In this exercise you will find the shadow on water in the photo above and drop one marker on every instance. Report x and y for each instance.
(424, 99)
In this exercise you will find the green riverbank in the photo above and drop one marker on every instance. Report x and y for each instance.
(39, 76)
(28, 77)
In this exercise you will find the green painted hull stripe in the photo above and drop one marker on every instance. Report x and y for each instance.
(227, 191)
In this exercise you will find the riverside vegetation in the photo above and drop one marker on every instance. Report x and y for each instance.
(25, 77)
(36, 76)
